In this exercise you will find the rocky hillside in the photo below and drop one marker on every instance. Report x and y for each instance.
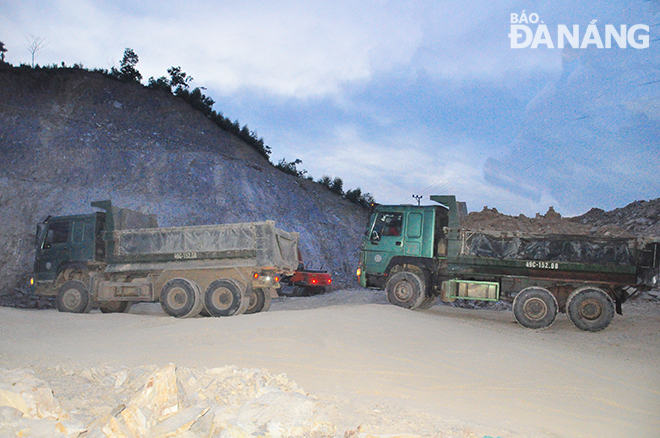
(69, 137)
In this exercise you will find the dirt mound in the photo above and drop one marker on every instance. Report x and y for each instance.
(489, 219)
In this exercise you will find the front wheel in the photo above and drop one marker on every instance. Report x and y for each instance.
(535, 308)
(74, 297)
(590, 309)
(406, 289)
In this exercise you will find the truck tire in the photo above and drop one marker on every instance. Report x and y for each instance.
(406, 289)
(535, 308)
(181, 298)
(74, 297)
(224, 298)
(428, 302)
(590, 309)
(260, 300)
(115, 307)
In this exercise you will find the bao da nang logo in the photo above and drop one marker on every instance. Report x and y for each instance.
(524, 35)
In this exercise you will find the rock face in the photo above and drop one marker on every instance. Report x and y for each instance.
(69, 137)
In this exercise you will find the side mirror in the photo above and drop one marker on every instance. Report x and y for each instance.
(375, 236)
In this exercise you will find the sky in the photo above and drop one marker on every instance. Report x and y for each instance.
(402, 98)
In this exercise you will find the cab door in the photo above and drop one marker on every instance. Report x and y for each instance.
(412, 243)
(53, 250)
(384, 241)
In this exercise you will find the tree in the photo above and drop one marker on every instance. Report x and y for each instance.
(337, 186)
(127, 71)
(291, 167)
(3, 50)
(325, 180)
(353, 195)
(162, 83)
(178, 78)
(34, 44)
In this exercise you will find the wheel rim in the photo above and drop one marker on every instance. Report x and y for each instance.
(403, 291)
(177, 298)
(72, 298)
(590, 310)
(535, 309)
(222, 298)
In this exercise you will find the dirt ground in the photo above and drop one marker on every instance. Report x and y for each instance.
(446, 371)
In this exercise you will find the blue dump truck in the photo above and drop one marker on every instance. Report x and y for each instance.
(418, 254)
(115, 257)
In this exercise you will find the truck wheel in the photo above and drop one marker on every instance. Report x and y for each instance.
(590, 309)
(405, 289)
(535, 308)
(223, 298)
(74, 297)
(181, 298)
(428, 302)
(116, 307)
(259, 301)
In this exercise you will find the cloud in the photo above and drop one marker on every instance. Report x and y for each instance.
(300, 49)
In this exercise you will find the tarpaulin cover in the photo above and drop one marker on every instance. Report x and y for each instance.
(550, 248)
(271, 246)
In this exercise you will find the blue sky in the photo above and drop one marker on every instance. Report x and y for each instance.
(399, 98)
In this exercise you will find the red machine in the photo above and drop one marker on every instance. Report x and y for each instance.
(305, 282)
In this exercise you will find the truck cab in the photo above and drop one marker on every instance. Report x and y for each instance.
(408, 237)
(67, 242)
(401, 235)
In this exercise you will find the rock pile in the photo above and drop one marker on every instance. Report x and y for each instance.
(225, 402)
(489, 219)
(24, 299)
(641, 218)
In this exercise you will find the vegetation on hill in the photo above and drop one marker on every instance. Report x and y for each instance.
(177, 83)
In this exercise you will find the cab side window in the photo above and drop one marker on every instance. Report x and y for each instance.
(58, 232)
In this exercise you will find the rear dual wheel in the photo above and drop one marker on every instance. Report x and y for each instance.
(225, 298)
(181, 298)
(115, 306)
(260, 300)
(535, 308)
(590, 309)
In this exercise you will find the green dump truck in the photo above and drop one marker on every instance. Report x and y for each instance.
(113, 258)
(420, 253)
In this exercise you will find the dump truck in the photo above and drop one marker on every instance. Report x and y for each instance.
(418, 254)
(115, 257)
